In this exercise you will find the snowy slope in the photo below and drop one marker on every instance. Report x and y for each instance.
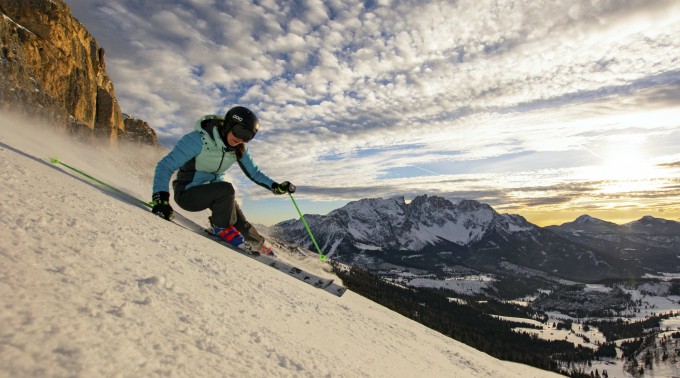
(94, 286)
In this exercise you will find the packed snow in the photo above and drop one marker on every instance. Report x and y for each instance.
(94, 285)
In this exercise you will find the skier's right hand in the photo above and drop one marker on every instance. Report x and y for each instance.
(161, 205)
(284, 187)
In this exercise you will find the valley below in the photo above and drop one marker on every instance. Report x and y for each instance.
(563, 310)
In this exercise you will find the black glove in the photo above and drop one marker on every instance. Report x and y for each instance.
(284, 187)
(161, 205)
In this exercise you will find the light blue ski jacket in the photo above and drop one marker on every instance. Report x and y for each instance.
(202, 158)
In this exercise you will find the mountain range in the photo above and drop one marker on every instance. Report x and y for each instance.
(432, 235)
(653, 243)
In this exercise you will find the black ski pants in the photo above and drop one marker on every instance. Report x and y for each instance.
(219, 198)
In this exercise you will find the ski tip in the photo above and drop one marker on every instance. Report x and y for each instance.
(54, 160)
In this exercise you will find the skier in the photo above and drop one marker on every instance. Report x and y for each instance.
(202, 157)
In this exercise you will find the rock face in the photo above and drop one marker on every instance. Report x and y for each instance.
(52, 67)
(139, 131)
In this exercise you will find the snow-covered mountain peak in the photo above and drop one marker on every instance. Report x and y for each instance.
(432, 200)
(379, 224)
(649, 224)
(587, 219)
(515, 223)
(371, 210)
(374, 203)
(398, 199)
(586, 223)
(650, 221)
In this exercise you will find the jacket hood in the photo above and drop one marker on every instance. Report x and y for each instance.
(213, 132)
(198, 126)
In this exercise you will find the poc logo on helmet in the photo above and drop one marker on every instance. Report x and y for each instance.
(240, 119)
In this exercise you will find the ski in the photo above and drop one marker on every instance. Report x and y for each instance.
(327, 284)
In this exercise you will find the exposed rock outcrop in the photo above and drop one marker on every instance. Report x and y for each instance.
(139, 131)
(52, 67)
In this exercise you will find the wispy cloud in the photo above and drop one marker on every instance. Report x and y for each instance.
(433, 89)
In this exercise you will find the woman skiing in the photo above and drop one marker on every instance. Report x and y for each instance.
(202, 157)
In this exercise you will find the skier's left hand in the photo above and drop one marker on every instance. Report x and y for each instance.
(161, 205)
(284, 187)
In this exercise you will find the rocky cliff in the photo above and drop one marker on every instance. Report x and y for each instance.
(52, 67)
(139, 131)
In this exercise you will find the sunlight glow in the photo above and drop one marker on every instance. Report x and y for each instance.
(625, 167)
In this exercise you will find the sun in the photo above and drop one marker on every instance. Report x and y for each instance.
(624, 164)
(625, 168)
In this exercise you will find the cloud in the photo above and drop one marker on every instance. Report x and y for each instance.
(362, 92)
(429, 60)
(675, 164)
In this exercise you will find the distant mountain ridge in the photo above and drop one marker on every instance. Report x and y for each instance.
(433, 234)
(652, 242)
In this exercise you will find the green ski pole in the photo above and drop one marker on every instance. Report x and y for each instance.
(322, 257)
(102, 183)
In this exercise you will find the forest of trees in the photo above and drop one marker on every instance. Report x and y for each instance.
(467, 324)
(619, 329)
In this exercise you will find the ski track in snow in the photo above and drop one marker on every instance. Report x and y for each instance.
(95, 286)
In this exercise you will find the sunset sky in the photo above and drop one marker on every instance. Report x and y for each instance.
(547, 109)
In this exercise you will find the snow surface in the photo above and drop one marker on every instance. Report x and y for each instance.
(95, 286)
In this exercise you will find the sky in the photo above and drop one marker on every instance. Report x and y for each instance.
(545, 109)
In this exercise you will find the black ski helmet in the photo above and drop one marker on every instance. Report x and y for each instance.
(242, 122)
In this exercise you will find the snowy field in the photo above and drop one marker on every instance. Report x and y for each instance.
(651, 304)
(464, 284)
(93, 286)
(591, 339)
